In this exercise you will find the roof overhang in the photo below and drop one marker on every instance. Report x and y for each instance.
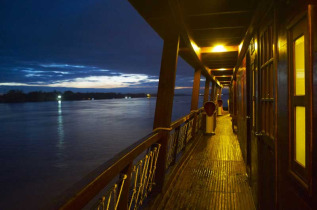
(210, 31)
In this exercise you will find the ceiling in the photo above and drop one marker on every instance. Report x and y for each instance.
(203, 25)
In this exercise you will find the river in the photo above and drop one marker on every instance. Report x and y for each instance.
(46, 147)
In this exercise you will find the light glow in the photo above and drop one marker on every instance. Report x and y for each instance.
(219, 48)
(195, 47)
(240, 46)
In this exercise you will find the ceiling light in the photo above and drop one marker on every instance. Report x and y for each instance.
(219, 48)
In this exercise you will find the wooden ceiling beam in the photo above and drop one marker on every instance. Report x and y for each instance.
(223, 79)
(222, 73)
(207, 6)
(220, 13)
(217, 38)
(229, 76)
(187, 38)
(219, 28)
(221, 66)
(219, 21)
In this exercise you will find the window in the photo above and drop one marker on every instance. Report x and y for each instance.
(300, 135)
(300, 103)
(299, 65)
(267, 97)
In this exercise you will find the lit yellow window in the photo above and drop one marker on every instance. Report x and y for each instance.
(299, 64)
(300, 136)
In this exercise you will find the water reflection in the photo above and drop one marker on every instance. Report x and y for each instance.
(60, 126)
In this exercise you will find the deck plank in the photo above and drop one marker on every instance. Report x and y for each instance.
(214, 177)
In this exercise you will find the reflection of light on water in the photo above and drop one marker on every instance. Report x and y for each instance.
(60, 144)
(60, 127)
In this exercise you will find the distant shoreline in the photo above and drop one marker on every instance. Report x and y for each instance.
(18, 96)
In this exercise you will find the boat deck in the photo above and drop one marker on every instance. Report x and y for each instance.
(214, 177)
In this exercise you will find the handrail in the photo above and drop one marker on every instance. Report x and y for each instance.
(185, 118)
(85, 190)
(104, 174)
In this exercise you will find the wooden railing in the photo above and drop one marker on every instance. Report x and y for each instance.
(125, 181)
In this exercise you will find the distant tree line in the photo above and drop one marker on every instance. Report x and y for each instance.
(37, 96)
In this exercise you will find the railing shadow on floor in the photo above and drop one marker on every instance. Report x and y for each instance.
(138, 173)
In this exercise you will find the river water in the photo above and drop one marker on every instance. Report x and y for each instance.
(46, 147)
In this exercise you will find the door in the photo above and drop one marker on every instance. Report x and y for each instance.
(253, 113)
(248, 110)
(266, 133)
(297, 180)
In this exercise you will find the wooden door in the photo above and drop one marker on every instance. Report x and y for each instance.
(253, 111)
(297, 169)
(266, 135)
(248, 110)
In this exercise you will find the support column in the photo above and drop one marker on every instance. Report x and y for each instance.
(212, 95)
(195, 97)
(196, 87)
(220, 92)
(206, 93)
(214, 99)
(164, 103)
(219, 111)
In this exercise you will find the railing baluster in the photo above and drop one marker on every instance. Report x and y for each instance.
(124, 199)
(176, 145)
(186, 135)
(194, 126)
(161, 162)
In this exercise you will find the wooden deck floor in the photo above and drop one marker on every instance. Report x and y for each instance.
(214, 177)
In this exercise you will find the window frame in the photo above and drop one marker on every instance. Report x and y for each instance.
(301, 175)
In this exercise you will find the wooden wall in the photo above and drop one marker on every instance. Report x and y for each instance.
(287, 193)
(241, 108)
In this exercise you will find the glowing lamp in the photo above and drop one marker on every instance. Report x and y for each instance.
(218, 48)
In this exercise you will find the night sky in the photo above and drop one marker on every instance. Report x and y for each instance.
(85, 44)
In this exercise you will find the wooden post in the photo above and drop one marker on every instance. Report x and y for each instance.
(164, 103)
(220, 91)
(214, 99)
(196, 87)
(195, 97)
(217, 93)
(206, 98)
(124, 199)
(212, 95)
(206, 93)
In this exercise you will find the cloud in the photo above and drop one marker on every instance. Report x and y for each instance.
(54, 65)
(181, 88)
(103, 82)
(64, 75)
